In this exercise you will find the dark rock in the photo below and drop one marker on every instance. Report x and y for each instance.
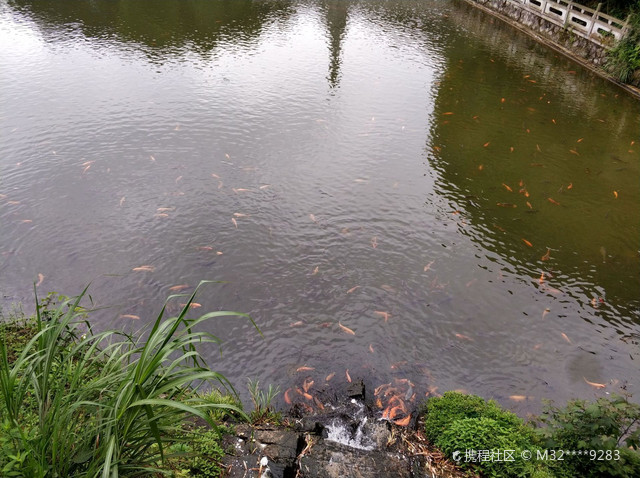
(356, 390)
(332, 460)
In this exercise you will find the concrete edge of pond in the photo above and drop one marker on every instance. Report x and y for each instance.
(549, 42)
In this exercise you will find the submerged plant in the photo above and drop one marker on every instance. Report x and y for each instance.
(75, 403)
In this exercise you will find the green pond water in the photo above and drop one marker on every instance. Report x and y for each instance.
(462, 199)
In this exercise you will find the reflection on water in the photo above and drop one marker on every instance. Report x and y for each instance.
(393, 190)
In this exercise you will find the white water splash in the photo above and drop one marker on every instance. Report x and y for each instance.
(338, 432)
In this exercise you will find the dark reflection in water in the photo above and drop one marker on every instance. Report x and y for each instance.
(342, 165)
(160, 28)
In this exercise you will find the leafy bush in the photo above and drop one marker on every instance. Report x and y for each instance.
(487, 436)
(606, 424)
(456, 423)
(80, 404)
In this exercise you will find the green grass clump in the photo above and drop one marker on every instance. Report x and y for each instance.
(75, 403)
(263, 411)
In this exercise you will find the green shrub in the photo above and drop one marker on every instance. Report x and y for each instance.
(490, 439)
(453, 406)
(464, 424)
(607, 424)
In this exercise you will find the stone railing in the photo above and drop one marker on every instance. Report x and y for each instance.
(593, 25)
(586, 22)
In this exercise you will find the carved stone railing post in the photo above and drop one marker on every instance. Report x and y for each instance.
(594, 20)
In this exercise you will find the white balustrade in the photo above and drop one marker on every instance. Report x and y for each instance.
(594, 25)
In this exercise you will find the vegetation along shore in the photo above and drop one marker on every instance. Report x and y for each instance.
(80, 403)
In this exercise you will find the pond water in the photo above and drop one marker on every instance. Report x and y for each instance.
(460, 198)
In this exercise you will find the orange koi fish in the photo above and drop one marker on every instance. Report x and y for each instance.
(595, 384)
(383, 314)
(180, 287)
(346, 329)
(129, 316)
